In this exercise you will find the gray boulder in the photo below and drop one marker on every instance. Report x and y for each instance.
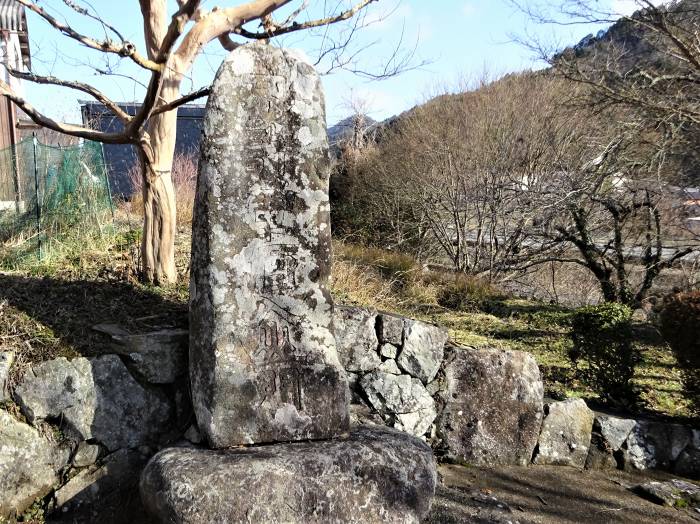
(6, 359)
(566, 434)
(608, 436)
(688, 462)
(94, 398)
(374, 475)
(29, 465)
(655, 445)
(390, 329)
(402, 400)
(356, 338)
(423, 350)
(493, 406)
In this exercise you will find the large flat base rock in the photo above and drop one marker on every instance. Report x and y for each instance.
(373, 475)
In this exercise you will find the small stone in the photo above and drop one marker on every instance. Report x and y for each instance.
(402, 399)
(86, 455)
(29, 465)
(608, 436)
(374, 475)
(565, 436)
(6, 360)
(356, 338)
(388, 350)
(614, 430)
(390, 329)
(389, 366)
(423, 350)
(670, 493)
(94, 398)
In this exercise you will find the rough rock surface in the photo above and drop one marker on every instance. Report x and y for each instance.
(655, 445)
(356, 338)
(374, 475)
(6, 359)
(94, 398)
(388, 351)
(402, 400)
(608, 436)
(29, 465)
(493, 406)
(566, 434)
(688, 462)
(389, 366)
(85, 455)
(263, 360)
(672, 492)
(423, 349)
(159, 357)
(390, 329)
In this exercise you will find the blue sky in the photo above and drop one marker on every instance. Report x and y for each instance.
(460, 40)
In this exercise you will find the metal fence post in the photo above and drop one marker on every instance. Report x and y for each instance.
(36, 193)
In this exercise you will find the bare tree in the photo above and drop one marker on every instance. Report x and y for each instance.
(172, 43)
(645, 67)
(508, 177)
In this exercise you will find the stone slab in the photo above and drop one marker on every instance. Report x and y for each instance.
(374, 475)
(263, 360)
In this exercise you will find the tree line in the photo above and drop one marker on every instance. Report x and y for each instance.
(582, 163)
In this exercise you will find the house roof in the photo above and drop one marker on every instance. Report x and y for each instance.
(14, 19)
(12, 16)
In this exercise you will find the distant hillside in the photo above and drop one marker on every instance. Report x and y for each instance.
(634, 45)
(345, 128)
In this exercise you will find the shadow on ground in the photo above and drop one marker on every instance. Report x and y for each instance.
(46, 317)
(546, 495)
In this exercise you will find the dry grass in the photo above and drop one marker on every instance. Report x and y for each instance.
(48, 311)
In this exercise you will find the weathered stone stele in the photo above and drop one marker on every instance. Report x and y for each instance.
(263, 360)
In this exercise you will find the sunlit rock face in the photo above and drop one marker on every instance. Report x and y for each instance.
(263, 360)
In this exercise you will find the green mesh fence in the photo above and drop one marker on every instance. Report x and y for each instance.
(49, 192)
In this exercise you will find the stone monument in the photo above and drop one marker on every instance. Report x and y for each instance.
(264, 366)
(263, 362)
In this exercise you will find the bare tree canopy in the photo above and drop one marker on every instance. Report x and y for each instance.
(173, 40)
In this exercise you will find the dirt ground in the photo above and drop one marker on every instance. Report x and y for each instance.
(547, 494)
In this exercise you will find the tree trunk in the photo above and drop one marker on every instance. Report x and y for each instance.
(159, 225)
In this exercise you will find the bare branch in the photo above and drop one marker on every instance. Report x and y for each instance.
(125, 49)
(200, 93)
(68, 129)
(79, 86)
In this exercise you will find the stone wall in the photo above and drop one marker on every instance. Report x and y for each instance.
(486, 406)
(82, 429)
